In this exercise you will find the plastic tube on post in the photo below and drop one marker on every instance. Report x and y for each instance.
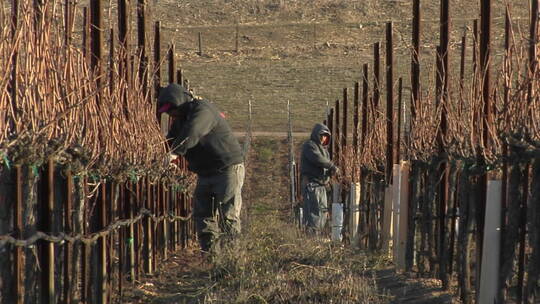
(337, 213)
(387, 220)
(491, 243)
(354, 209)
(337, 221)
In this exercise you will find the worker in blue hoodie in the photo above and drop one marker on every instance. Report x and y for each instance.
(201, 134)
(316, 168)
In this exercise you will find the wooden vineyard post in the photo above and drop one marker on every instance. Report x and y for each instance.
(200, 44)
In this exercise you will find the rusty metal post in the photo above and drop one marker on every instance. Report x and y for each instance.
(156, 225)
(487, 119)
(344, 136)
(116, 238)
(443, 75)
(475, 46)
(331, 127)
(188, 226)
(157, 61)
(298, 182)
(111, 65)
(172, 68)
(415, 61)
(180, 225)
(462, 67)
(137, 243)
(165, 211)
(344, 120)
(86, 249)
(69, 11)
(390, 146)
(522, 237)
(400, 118)
(18, 215)
(173, 237)
(141, 27)
(376, 79)
(485, 58)
(86, 34)
(13, 84)
(147, 229)
(142, 48)
(533, 47)
(68, 229)
(365, 101)
(356, 116)
(96, 36)
(505, 168)
(130, 203)
(454, 218)
(123, 27)
(122, 242)
(182, 228)
(200, 44)
(47, 259)
(236, 39)
(102, 246)
(155, 205)
(523, 291)
(337, 134)
(172, 210)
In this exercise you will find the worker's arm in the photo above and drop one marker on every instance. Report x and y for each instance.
(314, 155)
(186, 134)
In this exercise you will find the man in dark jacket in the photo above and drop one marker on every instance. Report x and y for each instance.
(316, 169)
(201, 134)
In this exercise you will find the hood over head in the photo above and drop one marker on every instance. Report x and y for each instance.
(318, 130)
(173, 96)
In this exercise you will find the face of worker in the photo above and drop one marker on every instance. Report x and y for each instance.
(325, 139)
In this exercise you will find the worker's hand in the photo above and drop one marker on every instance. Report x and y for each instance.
(169, 160)
(334, 170)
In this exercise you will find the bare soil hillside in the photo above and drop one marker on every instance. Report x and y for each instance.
(304, 51)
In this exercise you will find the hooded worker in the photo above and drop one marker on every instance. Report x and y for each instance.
(201, 134)
(316, 169)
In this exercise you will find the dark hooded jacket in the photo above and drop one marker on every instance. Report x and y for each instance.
(201, 135)
(315, 159)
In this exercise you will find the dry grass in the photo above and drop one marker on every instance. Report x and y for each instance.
(277, 264)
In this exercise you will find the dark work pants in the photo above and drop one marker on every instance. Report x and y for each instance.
(315, 206)
(215, 195)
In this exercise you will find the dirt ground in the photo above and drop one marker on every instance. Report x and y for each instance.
(276, 259)
(304, 52)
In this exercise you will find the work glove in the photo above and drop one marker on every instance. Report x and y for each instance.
(169, 160)
(334, 170)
